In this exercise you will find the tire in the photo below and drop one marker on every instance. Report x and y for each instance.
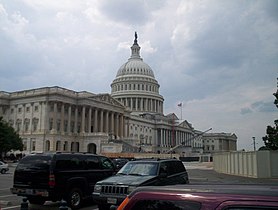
(3, 171)
(37, 201)
(75, 198)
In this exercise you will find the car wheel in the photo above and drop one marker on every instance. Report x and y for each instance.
(75, 198)
(3, 171)
(37, 201)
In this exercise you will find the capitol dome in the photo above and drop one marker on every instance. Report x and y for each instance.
(135, 85)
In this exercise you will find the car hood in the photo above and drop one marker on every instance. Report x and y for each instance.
(126, 180)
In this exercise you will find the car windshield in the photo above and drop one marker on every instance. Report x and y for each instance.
(139, 169)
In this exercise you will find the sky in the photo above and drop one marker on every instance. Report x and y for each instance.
(219, 58)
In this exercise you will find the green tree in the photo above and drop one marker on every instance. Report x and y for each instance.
(9, 139)
(271, 139)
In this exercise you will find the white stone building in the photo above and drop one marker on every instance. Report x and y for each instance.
(131, 119)
(219, 142)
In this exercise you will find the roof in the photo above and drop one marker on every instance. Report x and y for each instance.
(262, 190)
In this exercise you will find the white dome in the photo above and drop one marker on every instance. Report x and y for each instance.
(135, 85)
(135, 66)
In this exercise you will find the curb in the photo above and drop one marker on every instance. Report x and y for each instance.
(5, 203)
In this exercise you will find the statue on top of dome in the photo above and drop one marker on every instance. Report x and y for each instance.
(135, 40)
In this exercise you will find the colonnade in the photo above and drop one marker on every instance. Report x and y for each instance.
(86, 119)
(166, 137)
(143, 104)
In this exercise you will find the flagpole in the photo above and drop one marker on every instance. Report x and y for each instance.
(180, 105)
(181, 111)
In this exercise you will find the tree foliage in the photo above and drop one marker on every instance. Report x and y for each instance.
(9, 139)
(271, 139)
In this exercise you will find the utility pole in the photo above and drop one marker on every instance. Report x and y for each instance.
(254, 142)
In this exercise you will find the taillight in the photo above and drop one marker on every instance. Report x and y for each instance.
(123, 204)
(51, 180)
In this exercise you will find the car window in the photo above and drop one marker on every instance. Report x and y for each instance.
(175, 167)
(92, 162)
(142, 169)
(106, 163)
(163, 168)
(35, 162)
(166, 205)
(69, 162)
(251, 208)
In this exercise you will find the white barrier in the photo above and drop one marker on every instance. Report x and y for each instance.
(257, 164)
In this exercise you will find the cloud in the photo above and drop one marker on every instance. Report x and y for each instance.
(217, 57)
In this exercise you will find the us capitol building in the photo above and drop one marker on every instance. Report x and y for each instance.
(129, 120)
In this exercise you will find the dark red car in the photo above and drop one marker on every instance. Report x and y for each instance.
(202, 197)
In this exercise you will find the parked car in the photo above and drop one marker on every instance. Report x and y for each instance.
(68, 176)
(151, 172)
(202, 197)
(4, 167)
(119, 162)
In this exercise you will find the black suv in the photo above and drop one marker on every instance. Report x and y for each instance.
(149, 172)
(52, 177)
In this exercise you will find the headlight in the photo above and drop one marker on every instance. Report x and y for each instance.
(97, 188)
(130, 189)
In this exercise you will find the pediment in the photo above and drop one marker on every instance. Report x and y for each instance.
(185, 124)
(106, 98)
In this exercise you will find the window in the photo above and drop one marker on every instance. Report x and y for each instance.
(36, 108)
(166, 205)
(19, 110)
(33, 144)
(92, 163)
(251, 208)
(27, 109)
(106, 163)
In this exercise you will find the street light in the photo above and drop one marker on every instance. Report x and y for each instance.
(254, 142)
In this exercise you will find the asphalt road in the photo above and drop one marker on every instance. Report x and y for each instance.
(198, 174)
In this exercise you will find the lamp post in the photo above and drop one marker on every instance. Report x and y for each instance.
(254, 142)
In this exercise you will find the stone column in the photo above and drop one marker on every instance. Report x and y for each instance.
(75, 119)
(31, 118)
(69, 119)
(106, 122)
(23, 117)
(54, 127)
(83, 119)
(63, 118)
(101, 120)
(112, 123)
(124, 127)
(95, 121)
(90, 120)
(121, 127)
(117, 125)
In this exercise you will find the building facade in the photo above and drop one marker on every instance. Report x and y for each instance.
(130, 119)
(58, 119)
(219, 142)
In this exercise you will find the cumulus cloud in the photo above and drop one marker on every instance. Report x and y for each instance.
(218, 57)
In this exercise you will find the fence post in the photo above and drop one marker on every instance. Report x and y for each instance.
(24, 204)
(63, 205)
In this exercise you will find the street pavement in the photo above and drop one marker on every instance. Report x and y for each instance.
(203, 173)
(199, 173)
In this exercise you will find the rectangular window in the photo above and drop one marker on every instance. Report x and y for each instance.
(33, 145)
